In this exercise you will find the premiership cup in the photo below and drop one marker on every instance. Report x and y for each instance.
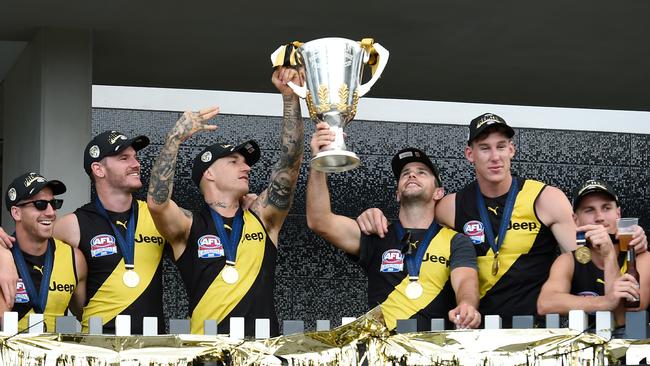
(333, 68)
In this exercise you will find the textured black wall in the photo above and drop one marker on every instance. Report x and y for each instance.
(316, 281)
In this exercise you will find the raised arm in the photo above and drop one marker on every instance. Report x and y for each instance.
(273, 204)
(341, 231)
(554, 210)
(172, 221)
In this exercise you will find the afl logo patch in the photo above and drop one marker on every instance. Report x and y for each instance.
(12, 194)
(21, 293)
(102, 245)
(209, 246)
(207, 156)
(392, 261)
(474, 230)
(94, 151)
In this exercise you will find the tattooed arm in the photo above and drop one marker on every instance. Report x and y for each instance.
(273, 205)
(172, 221)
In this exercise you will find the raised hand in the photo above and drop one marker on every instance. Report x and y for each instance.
(193, 122)
(282, 75)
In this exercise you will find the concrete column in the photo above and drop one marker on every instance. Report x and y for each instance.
(47, 113)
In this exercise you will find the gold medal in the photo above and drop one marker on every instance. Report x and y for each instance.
(130, 278)
(413, 290)
(583, 254)
(495, 265)
(230, 274)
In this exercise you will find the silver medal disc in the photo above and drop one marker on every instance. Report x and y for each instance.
(413, 290)
(230, 274)
(130, 278)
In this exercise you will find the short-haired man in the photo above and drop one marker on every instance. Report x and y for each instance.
(52, 274)
(226, 255)
(419, 270)
(600, 283)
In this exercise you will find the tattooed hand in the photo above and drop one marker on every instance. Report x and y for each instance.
(193, 122)
(282, 76)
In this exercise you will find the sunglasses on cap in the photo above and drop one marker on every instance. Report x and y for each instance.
(41, 205)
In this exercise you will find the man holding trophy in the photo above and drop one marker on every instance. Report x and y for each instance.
(226, 255)
(414, 270)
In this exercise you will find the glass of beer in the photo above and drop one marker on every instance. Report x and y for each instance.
(625, 227)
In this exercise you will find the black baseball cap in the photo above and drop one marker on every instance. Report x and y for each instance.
(409, 155)
(593, 186)
(109, 143)
(482, 123)
(28, 185)
(249, 149)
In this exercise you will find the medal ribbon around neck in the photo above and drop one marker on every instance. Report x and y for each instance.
(230, 243)
(505, 219)
(414, 262)
(39, 300)
(127, 245)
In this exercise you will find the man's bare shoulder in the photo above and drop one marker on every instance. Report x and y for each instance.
(66, 228)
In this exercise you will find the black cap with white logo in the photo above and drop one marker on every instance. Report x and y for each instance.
(409, 155)
(28, 185)
(593, 186)
(482, 123)
(249, 149)
(109, 143)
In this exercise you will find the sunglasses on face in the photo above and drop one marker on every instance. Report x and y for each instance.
(41, 205)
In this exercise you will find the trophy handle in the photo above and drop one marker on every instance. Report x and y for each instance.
(382, 59)
(301, 91)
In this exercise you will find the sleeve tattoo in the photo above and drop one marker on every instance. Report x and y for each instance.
(285, 173)
(162, 173)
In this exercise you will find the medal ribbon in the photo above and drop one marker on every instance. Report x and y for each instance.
(414, 262)
(39, 300)
(127, 245)
(505, 219)
(230, 242)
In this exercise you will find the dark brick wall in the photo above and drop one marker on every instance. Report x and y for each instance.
(316, 281)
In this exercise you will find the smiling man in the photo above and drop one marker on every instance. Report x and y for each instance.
(52, 274)
(419, 270)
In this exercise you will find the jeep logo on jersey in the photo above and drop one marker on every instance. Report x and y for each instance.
(21, 293)
(529, 226)
(209, 246)
(62, 287)
(258, 236)
(149, 239)
(474, 230)
(102, 245)
(392, 261)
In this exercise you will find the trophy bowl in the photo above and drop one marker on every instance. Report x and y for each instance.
(332, 69)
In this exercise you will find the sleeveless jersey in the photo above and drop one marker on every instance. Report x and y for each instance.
(200, 267)
(589, 280)
(387, 272)
(525, 257)
(63, 282)
(107, 295)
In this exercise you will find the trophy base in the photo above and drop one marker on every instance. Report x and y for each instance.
(335, 161)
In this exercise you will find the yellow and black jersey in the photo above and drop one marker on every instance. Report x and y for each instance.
(589, 280)
(525, 257)
(106, 293)
(211, 297)
(63, 282)
(384, 263)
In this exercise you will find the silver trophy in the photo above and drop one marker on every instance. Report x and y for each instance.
(333, 68)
